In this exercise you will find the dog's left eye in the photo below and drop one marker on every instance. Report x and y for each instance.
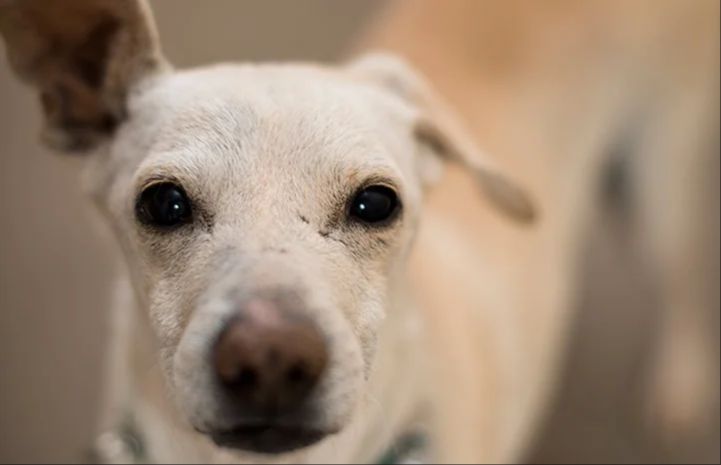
(374, 204)
(164, 204)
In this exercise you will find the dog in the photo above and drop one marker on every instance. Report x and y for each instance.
(287, 291)
(447, 319)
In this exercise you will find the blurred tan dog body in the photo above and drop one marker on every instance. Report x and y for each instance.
(559, 91)
(272, 156)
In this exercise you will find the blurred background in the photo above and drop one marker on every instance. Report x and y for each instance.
(55, 269)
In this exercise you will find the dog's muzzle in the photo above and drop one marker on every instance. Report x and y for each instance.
(268, 361)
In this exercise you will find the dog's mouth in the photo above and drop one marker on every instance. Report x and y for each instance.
(267, 438)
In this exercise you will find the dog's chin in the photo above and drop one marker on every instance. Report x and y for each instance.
(267, 438)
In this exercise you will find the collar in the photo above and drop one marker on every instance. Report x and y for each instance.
(123, 444)
(409, 448)
(126, 444)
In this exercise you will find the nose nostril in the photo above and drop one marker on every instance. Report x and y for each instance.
(297, 375)
(246, 379)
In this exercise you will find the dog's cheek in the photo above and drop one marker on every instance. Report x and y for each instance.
(169, 311)
(340, 393)
(367, 326)
(163, 309)
(361, 298)
(185, 368)
(192, 387)
(174, 286)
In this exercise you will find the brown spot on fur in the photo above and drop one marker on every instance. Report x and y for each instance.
(326, 235)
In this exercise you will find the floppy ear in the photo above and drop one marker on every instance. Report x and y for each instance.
(83, 56)
(439, 133)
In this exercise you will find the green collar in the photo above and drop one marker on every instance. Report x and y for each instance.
(412, 447)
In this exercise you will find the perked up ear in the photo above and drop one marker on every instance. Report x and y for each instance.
(84, 57)
(437, 129)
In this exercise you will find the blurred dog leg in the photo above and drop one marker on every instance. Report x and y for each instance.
(677, 176)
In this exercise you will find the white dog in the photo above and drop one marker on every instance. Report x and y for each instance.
(269, 220)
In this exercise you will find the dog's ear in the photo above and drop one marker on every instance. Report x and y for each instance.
(83, 57)
(440, 135)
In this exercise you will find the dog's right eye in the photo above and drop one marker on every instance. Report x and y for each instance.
(163, 204)
(374, 205)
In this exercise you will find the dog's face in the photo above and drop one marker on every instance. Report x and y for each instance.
(265, 211)
(249, 191)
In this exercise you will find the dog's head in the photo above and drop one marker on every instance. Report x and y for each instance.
(265, 210)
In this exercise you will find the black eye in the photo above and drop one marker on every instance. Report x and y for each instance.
(374, 204)
(164, 204)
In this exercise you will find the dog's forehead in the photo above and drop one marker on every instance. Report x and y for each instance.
(285, 102)
(268, 117)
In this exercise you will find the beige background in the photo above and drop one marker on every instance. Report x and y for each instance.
(54, 271)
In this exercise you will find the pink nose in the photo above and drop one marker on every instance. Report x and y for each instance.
(269, 360)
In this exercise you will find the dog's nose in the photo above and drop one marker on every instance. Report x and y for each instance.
(269, 360)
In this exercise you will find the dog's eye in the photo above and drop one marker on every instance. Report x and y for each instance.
(374, 204)
(164, 204)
